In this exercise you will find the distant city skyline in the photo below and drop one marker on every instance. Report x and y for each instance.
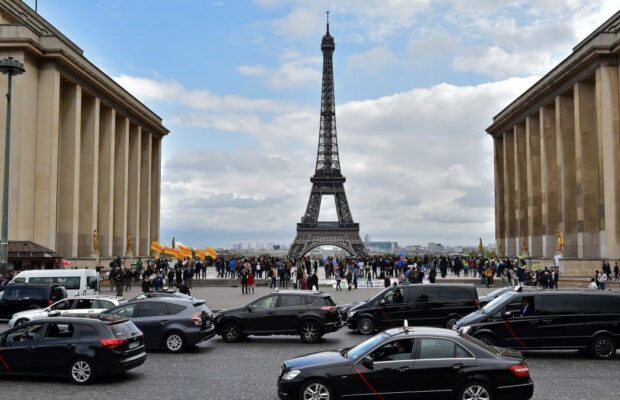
(238, 85)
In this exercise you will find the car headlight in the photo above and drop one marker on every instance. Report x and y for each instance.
(291, 374)
(465, 330)
(351, 313)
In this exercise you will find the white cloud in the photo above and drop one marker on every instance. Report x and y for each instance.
(293, 71)
(372, 60)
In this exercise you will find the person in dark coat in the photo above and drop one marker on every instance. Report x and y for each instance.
(313, 282)
(146, 286)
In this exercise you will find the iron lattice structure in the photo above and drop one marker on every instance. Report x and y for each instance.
(327, 179)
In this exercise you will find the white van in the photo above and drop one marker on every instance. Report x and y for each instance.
(78, 282)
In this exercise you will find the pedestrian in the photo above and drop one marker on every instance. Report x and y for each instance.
(339, 276)
(184, 289)
(602, 280)
(272, 275)
(251, 281)
(349, 279)
(146, 286)
(616, 272)
(244, 282)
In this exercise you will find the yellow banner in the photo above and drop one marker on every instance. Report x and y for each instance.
(185, 251)
(157, 247)
(171, 252)
(200, 253)
(210, 252)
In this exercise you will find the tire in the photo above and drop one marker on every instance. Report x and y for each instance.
(81, 372)
(475, 390)
(603, 347)
(21, 321)
(231, 332)
(366, 325)
(310, 332)
(312, 388)
(486, 339)
(451, 321)
(174, 342)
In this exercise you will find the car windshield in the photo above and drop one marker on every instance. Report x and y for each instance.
(497, 292)
(364, 347)
(496, 303)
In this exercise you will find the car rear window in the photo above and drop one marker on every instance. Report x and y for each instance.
(422, 294)
(176, 308)
(26, 293)
(123, 329)
(87, 330)
(328, 301)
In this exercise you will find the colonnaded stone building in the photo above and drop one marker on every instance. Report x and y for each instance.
(85, 154)
(557, 160)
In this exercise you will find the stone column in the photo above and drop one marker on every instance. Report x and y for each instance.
(121, 174)
(549, 179)
(69, 170)
(509, 194)
(500, 213)
(133, 189)
(89, 175)
(534, 188)
(155, 186)
(608, 127)
(105, 193)
(145, 193)
(565, 128)
(520, 183)
(46, 170)
(586, 153)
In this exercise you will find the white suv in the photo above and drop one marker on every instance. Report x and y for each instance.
(75, 306)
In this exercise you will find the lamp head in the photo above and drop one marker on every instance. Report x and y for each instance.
(11, 66)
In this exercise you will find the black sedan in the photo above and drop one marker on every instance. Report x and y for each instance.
(77, 348)
(405, 363)
(168, 322)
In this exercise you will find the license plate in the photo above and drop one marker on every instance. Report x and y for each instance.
(133, 345)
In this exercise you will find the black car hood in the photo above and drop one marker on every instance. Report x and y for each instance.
(351, 306)
(472, 318)
(324, 359)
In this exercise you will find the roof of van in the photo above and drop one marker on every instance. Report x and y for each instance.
(54, 272)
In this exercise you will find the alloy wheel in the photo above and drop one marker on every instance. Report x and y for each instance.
(316, 391)
(451, 322)
(81, 371)
(476, 392)
(174, 343)
(604, 348)
(366, 326)
(310, 332)
(231, 332)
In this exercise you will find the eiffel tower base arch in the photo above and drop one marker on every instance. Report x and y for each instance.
(309, 238)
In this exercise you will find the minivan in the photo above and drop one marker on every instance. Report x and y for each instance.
(78, 282)
(421, 305)
(17, 298)
(549, 320)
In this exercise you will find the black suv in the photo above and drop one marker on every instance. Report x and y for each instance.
(558, 319)
(21, 297)
(307, 314)
(421, 305)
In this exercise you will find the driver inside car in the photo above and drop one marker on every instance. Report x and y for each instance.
(399, 350)
(398, 296)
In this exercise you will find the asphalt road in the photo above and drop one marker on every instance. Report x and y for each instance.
(247, 370)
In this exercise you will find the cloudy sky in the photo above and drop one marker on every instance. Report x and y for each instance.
(238, 84)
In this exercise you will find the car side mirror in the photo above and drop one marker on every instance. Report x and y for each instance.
(54, 313)
(507, 314)
(367, 362)
(250, 308)
(382, 302)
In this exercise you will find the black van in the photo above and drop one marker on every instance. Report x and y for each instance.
(549, 320)
(421, 305)
(21, 297)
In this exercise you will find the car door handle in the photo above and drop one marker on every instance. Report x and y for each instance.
(271, 313)
(457, 366)
(164, 322)
(300, 312)
(403, 369)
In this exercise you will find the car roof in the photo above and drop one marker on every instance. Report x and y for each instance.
(36, 285)
(68, 320)
(585, 291)
(459, 285)
(304, 292)
(414, 331)
(97, 297)
(166, 299)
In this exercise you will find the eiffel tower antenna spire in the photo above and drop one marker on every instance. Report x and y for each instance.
(327, 179)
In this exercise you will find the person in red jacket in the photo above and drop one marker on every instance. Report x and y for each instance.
(251, 281)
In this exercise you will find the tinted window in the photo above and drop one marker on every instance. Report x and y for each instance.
(124, 329)
(25, 334)
(102, 304)
(87, 330)
(603, 304)
(328, 301)
(127, 311)
(394, 351)
(423, 294)
(19, 280)
(91, 282)
(455, 294)
(440, 348)
(176, 308)
(26, 293)
(153, 309)
(308, 300)
(290, 301)
(63, 305)
(69, 282)
(83, 304)
(58, 293)
(265, 302)
(59, 331)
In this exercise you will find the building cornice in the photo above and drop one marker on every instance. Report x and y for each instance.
(601, 44)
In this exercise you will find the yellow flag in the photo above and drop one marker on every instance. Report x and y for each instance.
(157, 247)
(210, 252)
(200, 253)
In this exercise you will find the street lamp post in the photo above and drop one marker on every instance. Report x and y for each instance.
(10, 67)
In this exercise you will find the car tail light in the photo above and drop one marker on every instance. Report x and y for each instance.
(477, 302)
(520, 370)
(328, 309)
(49, 302)
(113, 342)
(197, 319)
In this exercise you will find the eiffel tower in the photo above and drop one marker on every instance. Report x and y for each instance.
(327, 179)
